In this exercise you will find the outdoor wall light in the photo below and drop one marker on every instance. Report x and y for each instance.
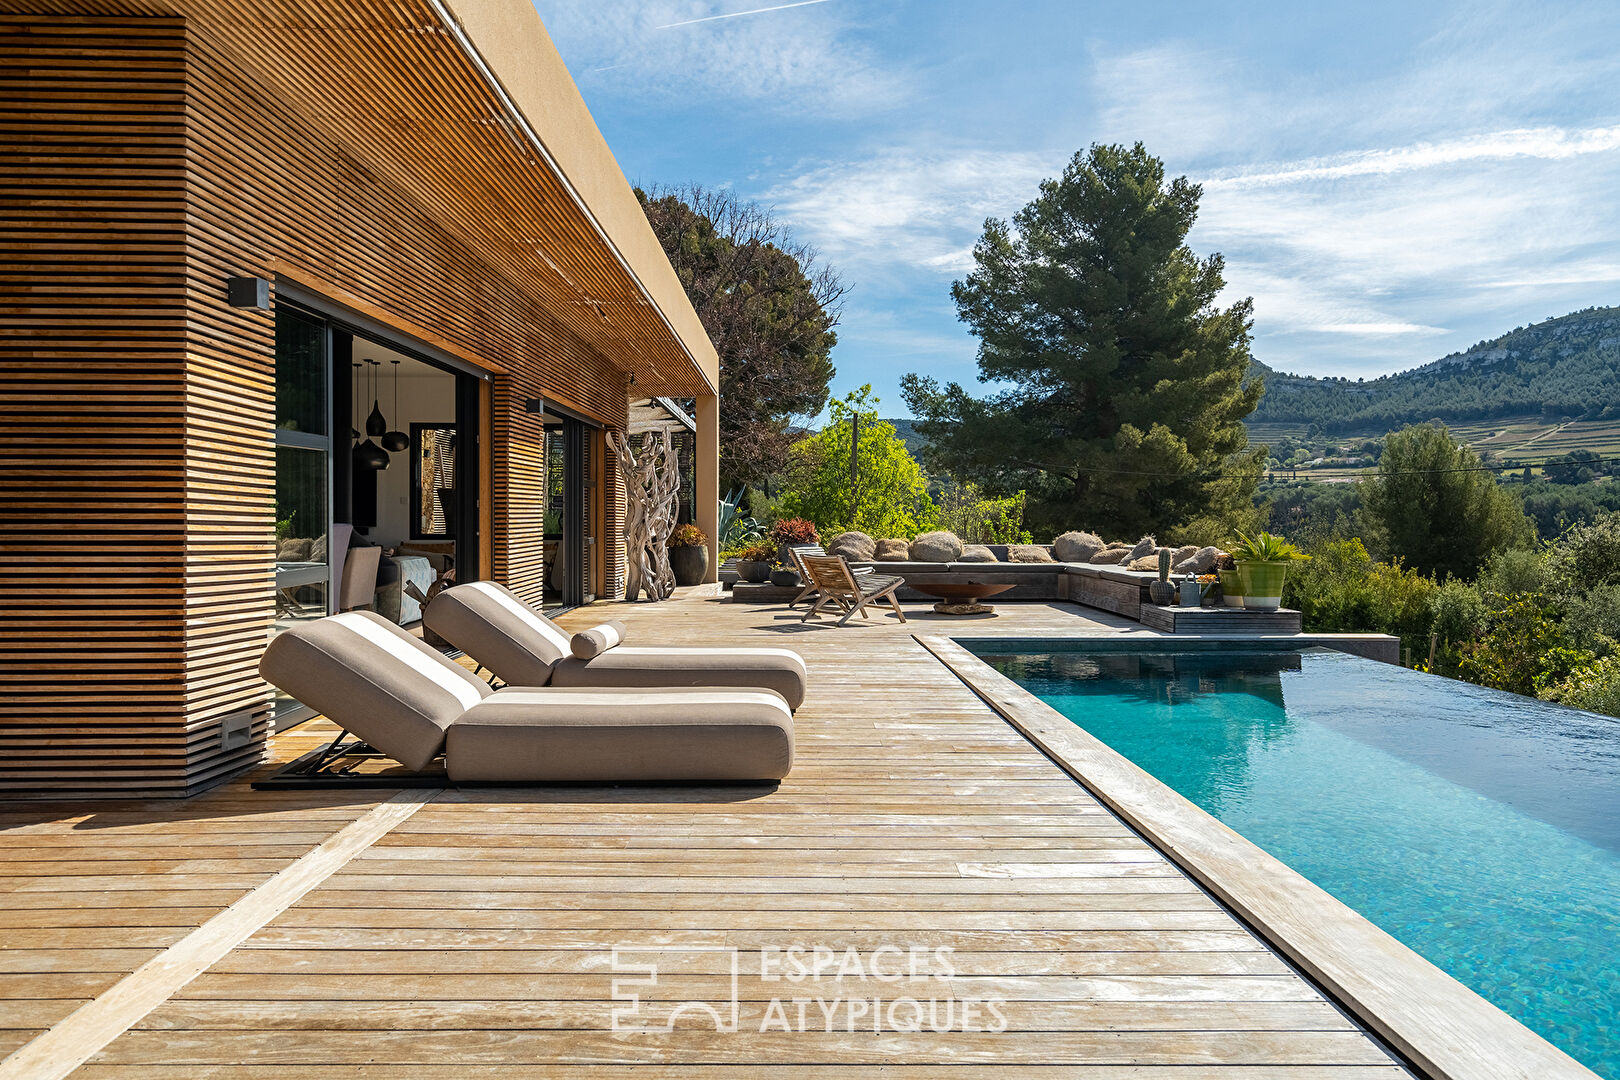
(534, 405)
(248, 292)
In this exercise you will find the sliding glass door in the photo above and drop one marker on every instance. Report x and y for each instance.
(569, 546)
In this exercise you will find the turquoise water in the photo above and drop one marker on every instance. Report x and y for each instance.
(1480, 828)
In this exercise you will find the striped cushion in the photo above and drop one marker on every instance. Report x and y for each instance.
(489, 623)
(371, 678)
(591, 643)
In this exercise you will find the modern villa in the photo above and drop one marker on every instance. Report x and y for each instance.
(233, 230)
(325, 325)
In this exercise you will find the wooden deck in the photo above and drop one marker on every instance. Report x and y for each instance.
(470, 933)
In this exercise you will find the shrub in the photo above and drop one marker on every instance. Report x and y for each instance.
(979, 519)
(1595, 687)
(758, 553)
(1586, 556)
(687, 536)
(1592, 620)
(1457, 612)
(1523, 648)
(1517, 570)
(1342, 590)
(795, 531)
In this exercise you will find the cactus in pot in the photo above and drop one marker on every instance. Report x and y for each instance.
(1161, 592)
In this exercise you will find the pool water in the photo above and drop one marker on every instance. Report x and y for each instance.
(1480, 828)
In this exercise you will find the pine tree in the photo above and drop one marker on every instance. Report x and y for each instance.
(1126, 386)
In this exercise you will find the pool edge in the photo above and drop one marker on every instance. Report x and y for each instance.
(1441, 1026)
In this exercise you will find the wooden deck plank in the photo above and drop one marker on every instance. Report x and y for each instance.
(479, 930)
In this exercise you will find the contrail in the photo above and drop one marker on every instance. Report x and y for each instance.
(739, 14)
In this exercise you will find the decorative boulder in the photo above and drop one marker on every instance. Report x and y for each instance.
(1145, 546)
(854, 546)
(1077, 546)
(893, 551)
(977, 553)
(936, 547)
(1201, 561)
(1028, 553)
(1110, 556)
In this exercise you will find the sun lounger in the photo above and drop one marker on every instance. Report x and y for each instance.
(522, 647)
(408, 702)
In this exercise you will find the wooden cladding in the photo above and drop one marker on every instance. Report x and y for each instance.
(144, 160)
(123, 446)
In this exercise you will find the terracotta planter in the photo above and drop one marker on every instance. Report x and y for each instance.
(690, 564)
(1262, 584)
(754, 571)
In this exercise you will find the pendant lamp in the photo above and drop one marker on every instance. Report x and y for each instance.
(395, 441)
(375, 424)
(368, 455)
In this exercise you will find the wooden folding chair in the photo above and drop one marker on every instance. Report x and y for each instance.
(796, 552)
(839, 586)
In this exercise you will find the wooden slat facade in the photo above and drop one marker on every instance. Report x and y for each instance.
(145, 157)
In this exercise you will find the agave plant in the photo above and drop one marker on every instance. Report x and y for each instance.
(1265, 547)
(737, 530)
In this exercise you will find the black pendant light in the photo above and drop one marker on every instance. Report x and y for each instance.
(354, 401)
(375, 424)
(368, 455)
(395, 441)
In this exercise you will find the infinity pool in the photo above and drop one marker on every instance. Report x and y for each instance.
(1480, 828)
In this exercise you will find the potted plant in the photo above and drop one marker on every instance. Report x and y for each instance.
(1162, 592)
(1262, 564)
(688, 554)
(754, 563)
(785, 534)
(1230, 581)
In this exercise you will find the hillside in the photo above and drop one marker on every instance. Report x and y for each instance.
(1563, 368)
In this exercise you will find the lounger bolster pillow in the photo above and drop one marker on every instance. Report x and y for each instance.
(591, 643)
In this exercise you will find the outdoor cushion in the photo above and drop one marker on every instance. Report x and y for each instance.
(373, 679)
(489, 623)
(519, 735)
(597, 640)
(523, 648)
(781, 670)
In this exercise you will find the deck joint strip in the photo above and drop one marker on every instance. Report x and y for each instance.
(61, 1049)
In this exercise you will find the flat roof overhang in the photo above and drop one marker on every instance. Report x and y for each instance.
(466, 106)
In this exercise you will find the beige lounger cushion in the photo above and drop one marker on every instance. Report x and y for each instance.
(492, 625)
(519, 735)
(781, 670)
(375, 680)
(598, 639)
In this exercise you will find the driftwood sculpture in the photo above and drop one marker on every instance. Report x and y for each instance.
(652, 485)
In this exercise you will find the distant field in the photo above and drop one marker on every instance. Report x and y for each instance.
(1528, 439)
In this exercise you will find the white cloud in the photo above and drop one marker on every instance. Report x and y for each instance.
(1546, 143)
(920, 208)
(795, 56)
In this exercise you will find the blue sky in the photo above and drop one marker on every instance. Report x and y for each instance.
(1390, 181)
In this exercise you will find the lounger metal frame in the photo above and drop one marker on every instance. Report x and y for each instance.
(325, 768)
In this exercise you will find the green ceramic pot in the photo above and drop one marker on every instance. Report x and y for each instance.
(1231, 588)
(1262, 584)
